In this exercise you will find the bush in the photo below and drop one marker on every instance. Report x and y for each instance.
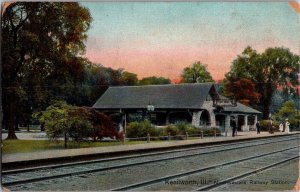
(265, 125)
(181, 128)
(141, 129)
(288, 110)
(171, 129)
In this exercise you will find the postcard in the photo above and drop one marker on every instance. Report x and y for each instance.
(150, 96)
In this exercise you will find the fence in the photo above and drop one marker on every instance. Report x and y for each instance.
(170, 137)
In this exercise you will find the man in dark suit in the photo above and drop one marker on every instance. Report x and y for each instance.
(233, 125)
(258, 127)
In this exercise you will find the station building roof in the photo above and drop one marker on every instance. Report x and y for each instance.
(170, 96)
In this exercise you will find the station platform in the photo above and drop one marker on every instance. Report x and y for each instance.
(57, 154)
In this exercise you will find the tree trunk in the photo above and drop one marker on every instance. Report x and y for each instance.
(266, 110)
(5, 122)
(11, 119)
(266, 101)
(17, 123)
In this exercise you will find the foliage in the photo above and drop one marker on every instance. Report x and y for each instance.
(102, 125)
(154, 81)
(97, 79)
(172, 130)
(181, 129)
(265, 125)
(288, 111)
(268, 70)
(40, 58)
(129, 78)
(197, 73)
(141, 129)
(63, 119)
(77, 123)
(241, 89)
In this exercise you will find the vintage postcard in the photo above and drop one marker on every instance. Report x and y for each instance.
(150, 96)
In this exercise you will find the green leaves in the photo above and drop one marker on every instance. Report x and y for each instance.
(289, 111)
(60, 118)
(268, 70)
(196, 74)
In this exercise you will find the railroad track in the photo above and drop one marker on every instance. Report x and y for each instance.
(16, 177)
(205, 169)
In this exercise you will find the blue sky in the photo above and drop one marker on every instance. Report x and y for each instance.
(163, 38)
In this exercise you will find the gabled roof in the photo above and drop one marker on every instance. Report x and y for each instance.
(180, 96)
(240, 108)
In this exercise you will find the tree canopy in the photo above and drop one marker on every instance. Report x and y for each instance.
(243, 90)
(274, 67)
(78, 123)
(129, 78)
(41, 44)
(197, 73)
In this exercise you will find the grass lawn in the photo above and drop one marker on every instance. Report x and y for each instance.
(17, 146)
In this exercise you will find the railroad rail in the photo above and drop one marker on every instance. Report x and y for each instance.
(170, 177)
(16, 177)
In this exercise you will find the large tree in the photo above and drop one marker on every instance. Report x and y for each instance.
(197, 73)
(268, 70)
(41, 42)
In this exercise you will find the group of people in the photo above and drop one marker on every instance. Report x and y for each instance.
(283, 127)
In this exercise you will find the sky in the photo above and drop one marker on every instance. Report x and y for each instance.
(162, 38)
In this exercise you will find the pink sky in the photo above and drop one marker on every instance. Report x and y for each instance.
(169, 62)
(161, 39)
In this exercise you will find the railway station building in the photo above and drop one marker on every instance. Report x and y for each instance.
(199, 104)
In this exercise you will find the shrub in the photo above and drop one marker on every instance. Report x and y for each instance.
(288, 110)
(141, 129)
(172, 130)
(265, 125)
(182, 126)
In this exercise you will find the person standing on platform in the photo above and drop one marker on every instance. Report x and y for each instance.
(233, 126)
(258, 127)
(281, 127)
(287, 126)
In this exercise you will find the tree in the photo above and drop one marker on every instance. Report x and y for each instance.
(129, 78)
(41, 42)
(289, 111)
(268, 70)
(241, 89)
(154, 81)
(103, 125)
(197, 73)
(78, 123)
(61, 119)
